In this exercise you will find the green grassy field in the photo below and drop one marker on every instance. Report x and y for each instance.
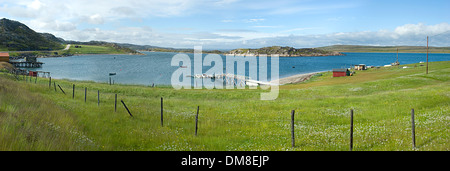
(85, 49)
(36, 117)
(95, 49)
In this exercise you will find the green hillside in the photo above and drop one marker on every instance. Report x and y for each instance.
(107, 48)
(15, 36)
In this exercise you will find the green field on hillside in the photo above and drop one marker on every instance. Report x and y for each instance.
(82, 50)
(34, 116)
(95, 49)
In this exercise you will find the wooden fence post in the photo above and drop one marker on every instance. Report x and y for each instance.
(126, 108)
(50, 82)
(196, 121)
(61, 89)
(85, 94)
(15, 75)
(351, 129)
(115, 103)
(413, 129)
(292, 128)
(73, 91)
(162, 111)
(98, 97)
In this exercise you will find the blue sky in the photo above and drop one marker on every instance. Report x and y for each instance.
(228, 24)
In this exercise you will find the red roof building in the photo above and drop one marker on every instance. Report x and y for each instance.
(341, 72)
(4, 57)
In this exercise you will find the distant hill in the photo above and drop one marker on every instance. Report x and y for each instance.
(284, 51)
(15, 36)
(386, 49)
(137, 47)
(179, 50)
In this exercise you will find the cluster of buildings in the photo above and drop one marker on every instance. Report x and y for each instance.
(347, 72)
(30, 62)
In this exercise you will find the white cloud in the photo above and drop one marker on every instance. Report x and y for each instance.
(36, 4)
(123, 10)
(227, 21)
(299, 29)
(409, 34)
(254, 20)
(93, 19)
(86, 20)
(267, 26)
(422, 29)
(73, 10)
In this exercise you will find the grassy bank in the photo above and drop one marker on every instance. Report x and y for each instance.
(36, 117)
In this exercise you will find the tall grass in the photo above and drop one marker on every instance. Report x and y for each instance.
(30, 122)
(232, 119)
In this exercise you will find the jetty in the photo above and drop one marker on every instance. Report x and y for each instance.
(26, 64)
(29, 62)
(232, 79)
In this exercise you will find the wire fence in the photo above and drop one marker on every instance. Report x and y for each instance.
(167, 114)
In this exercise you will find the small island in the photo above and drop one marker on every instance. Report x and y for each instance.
(283, 52)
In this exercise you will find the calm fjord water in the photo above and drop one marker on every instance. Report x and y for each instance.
(155, 68)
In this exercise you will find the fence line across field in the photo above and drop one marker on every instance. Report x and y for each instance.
(195, 115)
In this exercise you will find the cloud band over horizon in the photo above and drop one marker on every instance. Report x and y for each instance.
(225, 24)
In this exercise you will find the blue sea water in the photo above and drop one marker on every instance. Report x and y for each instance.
(155, 67)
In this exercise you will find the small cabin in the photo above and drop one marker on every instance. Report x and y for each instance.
(4, 57)
(360, 67)
(33, 73)
(30, 59)
(341, 72)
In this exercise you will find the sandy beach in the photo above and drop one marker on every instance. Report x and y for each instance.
(296, 78)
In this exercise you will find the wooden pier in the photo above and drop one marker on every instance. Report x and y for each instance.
(232, 79)
(26, 64)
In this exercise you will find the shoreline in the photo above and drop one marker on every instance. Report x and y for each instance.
(86, 54)
(298, 78)
(283, 55)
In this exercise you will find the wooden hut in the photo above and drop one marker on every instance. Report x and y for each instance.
(33, 73)
(30, 59)
(360, 67)
(341, 72)
(4, 57)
